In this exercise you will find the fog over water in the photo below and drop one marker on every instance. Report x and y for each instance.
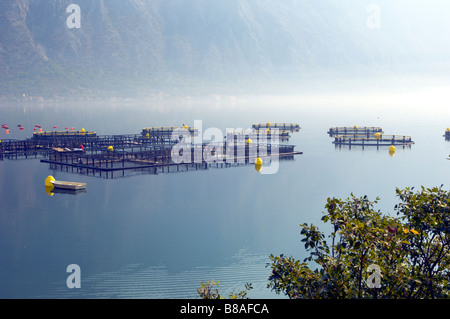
(159, 236)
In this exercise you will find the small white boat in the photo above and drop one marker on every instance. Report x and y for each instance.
(68, 185)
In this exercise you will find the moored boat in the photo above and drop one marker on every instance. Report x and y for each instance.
(68, 185)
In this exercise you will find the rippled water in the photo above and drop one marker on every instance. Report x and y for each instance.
(159, 236)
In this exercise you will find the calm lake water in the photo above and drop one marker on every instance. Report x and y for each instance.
(159, 236)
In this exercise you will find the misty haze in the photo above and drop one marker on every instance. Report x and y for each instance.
(120, 70)
(129, 48)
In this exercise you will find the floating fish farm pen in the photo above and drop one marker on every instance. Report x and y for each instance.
(68, 139)
(64, 139)
(159, 159)
(376, 140)
(355, 130)
(151, 151)
(58, 134)
(258, 135)
(95, 143)
(293, 127)
(168, 130)
(44, 143)
(283, 135)
(18, 149)
(163, 135)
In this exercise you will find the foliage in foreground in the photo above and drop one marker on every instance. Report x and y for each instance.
(371, 255)
(209, 290)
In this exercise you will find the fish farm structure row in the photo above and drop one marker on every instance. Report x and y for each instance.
(159, 159)
(384, 140)
(151, 151)
(367, 136)
(293, 127)
(355, 130)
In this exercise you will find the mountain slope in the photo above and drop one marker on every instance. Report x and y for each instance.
(130, 43)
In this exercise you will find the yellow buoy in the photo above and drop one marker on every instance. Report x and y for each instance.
(377, 135)
(185, 126)
(49, 180)
(354, 126)
(110, 148)
(448, 129)
(268, 131)
(268, 123)
(83, 130)
(258, 164)
(249, 141)
(392, 150)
